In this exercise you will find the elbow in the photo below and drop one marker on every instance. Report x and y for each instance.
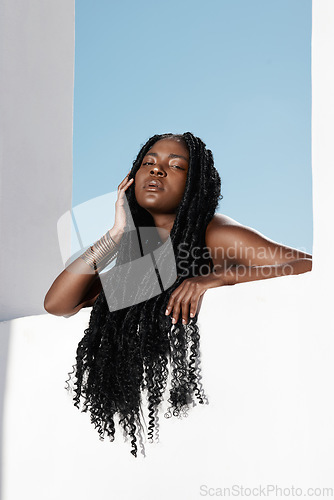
(55, 310)
(307, 265)
(49, 308)
(298, 266)
(46, 305)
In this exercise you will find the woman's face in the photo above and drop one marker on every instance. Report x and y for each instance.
(160, 180)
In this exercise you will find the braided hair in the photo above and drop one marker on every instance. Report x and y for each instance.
(130, 352)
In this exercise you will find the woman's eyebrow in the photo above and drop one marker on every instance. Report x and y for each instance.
(171, 155)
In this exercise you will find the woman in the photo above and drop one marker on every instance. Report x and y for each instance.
(173, 188)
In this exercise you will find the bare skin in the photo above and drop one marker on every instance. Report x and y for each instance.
(239, 253)
(167, 162)
(78, 286)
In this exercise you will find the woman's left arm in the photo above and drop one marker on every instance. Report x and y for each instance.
(239, 254)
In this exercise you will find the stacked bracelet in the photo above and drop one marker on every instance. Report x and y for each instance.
(101, 253)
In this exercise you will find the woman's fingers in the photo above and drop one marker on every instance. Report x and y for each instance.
(173, 297)
(181, 307)
(183, 302)
(122, 188)
(187, 298)
(125, 184)
(120, 215)
(125, 187)
(125, 180)
(194, 306)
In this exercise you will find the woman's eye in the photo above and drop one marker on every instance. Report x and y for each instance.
(151, 163)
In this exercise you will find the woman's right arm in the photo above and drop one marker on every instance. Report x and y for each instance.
(78, 285)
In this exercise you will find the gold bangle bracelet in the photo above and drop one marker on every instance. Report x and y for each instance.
(104, 250)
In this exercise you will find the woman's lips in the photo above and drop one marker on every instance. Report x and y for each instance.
(153, 188)
(153, 185)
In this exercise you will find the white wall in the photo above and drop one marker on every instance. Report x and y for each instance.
(267, 360)
(36, 93)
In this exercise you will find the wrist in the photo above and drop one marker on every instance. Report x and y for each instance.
(116, 234)
(225, 275)
(102, 252)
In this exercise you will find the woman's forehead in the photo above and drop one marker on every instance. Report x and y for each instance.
(170, 145)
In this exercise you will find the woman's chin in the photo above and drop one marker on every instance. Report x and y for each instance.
(149, 205)
(152, 206)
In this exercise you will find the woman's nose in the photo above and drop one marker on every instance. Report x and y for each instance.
(157, 170)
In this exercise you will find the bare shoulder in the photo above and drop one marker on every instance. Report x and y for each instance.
(222, 230)
(222, 224)
(236, 241)
(219, 220)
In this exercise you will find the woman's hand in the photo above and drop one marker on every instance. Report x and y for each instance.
(120, 214)
(185, 298)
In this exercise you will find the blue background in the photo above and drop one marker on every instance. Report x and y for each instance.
(236, 73)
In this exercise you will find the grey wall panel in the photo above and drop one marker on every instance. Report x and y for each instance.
(36, 92)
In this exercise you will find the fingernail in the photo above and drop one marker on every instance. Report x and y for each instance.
(166, 312)
(184, 322)
(192, 315)
(173, 320)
